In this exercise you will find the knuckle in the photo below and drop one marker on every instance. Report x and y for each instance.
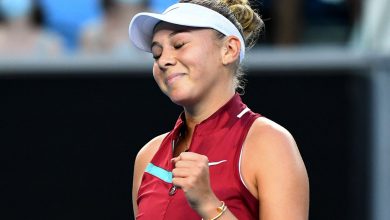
(177, 164)
(197, 172)
(190, 184)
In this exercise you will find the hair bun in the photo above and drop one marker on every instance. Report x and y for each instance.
(250, 21)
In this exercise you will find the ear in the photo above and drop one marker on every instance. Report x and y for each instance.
(230, 50)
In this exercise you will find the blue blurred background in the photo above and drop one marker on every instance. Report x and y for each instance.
(77, 102)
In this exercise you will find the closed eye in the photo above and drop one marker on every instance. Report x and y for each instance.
(156, 51)
(156, 56)
(178, 45)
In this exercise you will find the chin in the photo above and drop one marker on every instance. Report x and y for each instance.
(180, 98)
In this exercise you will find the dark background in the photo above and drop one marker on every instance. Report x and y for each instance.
(68, 142)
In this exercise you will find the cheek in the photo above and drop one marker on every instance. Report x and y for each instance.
(156, 74)
(205, 58)
(209, 52)
(196, 57)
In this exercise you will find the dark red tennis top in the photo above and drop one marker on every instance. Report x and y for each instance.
(220, 137)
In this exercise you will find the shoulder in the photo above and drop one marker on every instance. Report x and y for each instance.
(147, 152)
(144, 156)
(269, 144)
(271, 155)
(266, 135)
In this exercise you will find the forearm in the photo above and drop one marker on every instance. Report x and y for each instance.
(216, 210)
(227, 215)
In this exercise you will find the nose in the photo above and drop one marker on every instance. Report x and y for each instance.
(166, 59)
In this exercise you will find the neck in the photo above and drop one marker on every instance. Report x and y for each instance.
(205, 108)
(196, 115)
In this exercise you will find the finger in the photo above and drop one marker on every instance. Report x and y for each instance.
(185, 163)
(193, 156)
(181, 172)
(179, 182)
(175, 159)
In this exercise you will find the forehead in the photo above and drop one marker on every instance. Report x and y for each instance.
(172, 27)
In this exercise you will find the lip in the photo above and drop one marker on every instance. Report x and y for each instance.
(173, 77)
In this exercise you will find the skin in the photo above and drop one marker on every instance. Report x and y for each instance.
(271, 165)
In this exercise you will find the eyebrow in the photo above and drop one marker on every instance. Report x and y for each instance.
(155, 43)
(178, 32)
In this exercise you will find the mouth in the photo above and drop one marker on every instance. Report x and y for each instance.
(173, 77)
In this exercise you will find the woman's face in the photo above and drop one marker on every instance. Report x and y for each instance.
(188, 62)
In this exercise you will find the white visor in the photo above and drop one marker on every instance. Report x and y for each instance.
(187, 14)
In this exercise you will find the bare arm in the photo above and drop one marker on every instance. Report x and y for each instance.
(144, 156)
(272, 169)
(275, 173)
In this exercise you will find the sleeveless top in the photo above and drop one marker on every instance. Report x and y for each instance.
(220, 137)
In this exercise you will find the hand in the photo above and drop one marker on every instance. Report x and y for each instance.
(191, 174)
